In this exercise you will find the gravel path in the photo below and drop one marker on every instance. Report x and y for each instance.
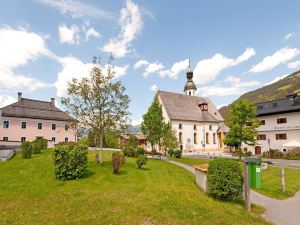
(281, 212)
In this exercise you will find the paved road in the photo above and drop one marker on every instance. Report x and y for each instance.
(281, 212)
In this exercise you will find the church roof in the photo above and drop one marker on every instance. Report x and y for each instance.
(186, 107)
(35, 109)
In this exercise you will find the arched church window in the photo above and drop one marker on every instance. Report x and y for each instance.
(195, 139)
(214, 138)
(207, 138)
(195, 127)
(180, 137)
(180, 126)
(189, 93)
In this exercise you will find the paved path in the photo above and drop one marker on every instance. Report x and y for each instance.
(281, 212)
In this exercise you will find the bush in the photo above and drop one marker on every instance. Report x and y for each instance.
(225, 179)
(177, 154)
(171, 152)
(293, 153)
(26, 148)
(130, 152)
(70, 161)
(141, 160)
(39, 144)
(118, 160)
(243, 153)
(140, 151)
(273, 154)
(35, 147)
(84, 141)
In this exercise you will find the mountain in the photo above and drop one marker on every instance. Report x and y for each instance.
(277, 90)
(134, 129)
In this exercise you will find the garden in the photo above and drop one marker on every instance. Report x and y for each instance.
(32, 192)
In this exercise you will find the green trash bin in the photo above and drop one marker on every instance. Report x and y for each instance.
(254, 172)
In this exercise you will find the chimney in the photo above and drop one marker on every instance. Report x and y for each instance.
(52, 101)
(19, 96)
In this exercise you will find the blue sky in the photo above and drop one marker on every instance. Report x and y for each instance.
(234, 46)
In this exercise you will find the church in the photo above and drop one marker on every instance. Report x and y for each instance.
(197, 122)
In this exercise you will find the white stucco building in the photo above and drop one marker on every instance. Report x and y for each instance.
(280, 125)
(198, 124)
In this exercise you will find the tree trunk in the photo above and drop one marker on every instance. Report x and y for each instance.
(101, 147)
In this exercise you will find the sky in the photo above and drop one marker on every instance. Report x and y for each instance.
(233, 46)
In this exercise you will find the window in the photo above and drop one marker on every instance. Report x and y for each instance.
(180, 126)
(207, 138)
(53, 139)
(281, 120)
(40, 126)
(262, 122)
(5, 124)
(5, 138)
(195, 138)
(66, 139)
(210, 127)
(214, 138)
(180, 137)
(195, 127)
(23, 139)
(261, 137)
(189, 93)
(23, 125)
(66, 127)
(53, 126)
(280, 136)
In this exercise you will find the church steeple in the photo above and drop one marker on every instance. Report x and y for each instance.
(190, 87)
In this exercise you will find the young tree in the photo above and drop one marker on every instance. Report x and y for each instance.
(133, 142)
(152, 126)
(169, 139)
(98, 102)
(242, 124)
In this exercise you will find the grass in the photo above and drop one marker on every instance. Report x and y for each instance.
(271, 180)
(161, 193)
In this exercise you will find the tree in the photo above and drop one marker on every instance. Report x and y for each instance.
(133, 142)
(152, 125)
(169, 139)
(242, 124)
(98, 102)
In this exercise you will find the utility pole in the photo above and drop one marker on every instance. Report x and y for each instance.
(247, 186)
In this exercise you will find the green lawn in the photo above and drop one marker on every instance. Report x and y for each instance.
(271, 181)
(161, 193)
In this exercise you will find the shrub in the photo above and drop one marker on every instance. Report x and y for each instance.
(70, 161)
(225, 179)
(273, 154)
(127, 151)
(293, 153)
(118, 160)
(140, 151)
(35, 147)
(84, 141)
(141, 160)
(26, 148)
(177, 154)
(171, 152)
(244, 152)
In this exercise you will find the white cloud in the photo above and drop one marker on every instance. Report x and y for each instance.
(280, 57)
(68, 35)
(137, 122)
(294, 65)
(140, 63)
(78, 9)
(6, 100)
(152, 68)
(74, 68)
(208, 69)
(230, 86)
(91, 32)
(175, 69)
(277, 79)
(17, 48)
(154, 88)
(288, 36)
(131, 24)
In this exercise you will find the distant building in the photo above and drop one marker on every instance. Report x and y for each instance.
(280, 125)
(28, 119)
(124, 138)
(197, 122)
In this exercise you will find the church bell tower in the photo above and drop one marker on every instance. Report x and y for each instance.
(190, 87)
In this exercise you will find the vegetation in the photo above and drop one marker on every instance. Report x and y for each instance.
(277, 90)
(225, 179)
(70, 161)
(271, 182)
(141, 161)
(170, 152)
(242, 125)
(118, 160)
(26, 149)
(177, 153)
(169, 139)
(293, 154)
(98, 102)
(140, 151)
(101, 197)
(39, 144)
(132, 142)
(242, 152)
(192, 161)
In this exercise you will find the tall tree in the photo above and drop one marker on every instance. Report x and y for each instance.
(168, 139)
(99, 102)
(242, 124)
(152, 125)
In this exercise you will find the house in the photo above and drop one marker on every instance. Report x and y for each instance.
(124, 138)
(198, 124)
(279, 125)
(28, 119)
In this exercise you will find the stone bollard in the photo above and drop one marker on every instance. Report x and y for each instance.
(201, 176)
